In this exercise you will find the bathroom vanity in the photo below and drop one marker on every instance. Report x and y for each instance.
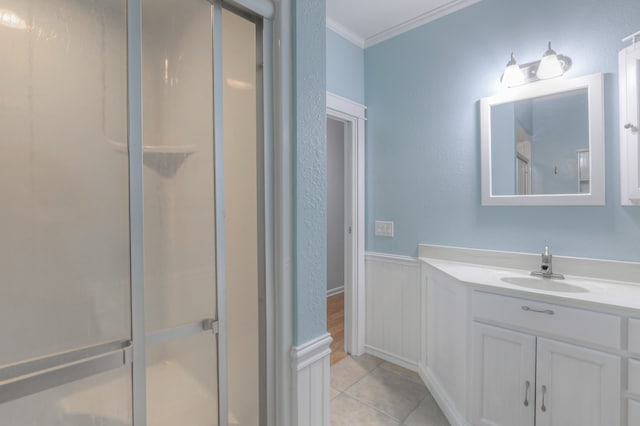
(504, 348)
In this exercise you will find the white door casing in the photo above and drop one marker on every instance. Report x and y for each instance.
(352, 115)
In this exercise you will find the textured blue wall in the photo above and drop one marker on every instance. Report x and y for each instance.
(310, 162)
(423, 147)
(345, 68)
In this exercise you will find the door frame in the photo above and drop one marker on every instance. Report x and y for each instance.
(353, 115)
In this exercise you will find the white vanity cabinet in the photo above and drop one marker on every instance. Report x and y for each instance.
(494, 358)
(519, 379)
(629, 82)
(503, 348)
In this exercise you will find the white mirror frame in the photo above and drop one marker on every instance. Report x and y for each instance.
(595, 89)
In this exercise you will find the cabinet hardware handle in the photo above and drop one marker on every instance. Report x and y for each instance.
(546, 311)
(544, 391)
(631, 126)
(526, 393)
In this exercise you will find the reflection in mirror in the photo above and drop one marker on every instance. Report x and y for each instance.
(541, 145)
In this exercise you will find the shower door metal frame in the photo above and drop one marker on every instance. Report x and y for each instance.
(31, 376)
(259, 12)
(140, 339)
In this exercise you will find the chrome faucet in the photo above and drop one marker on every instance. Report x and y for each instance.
(546, 268)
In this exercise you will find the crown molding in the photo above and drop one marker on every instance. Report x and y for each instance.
(429, 16)
(346, 33)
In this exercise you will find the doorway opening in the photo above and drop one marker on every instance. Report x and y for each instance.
(345, 226)
(337, 234)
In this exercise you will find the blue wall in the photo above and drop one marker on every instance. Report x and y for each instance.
(423, 149)
(345, 68)
(310, 175)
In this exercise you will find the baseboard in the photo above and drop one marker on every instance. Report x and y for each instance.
(335, 291)
(444, 402)
(311, 377)
(393, 359)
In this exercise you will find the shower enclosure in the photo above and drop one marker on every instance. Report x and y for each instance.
(133, 213)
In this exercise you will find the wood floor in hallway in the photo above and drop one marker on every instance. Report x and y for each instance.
(335, 325)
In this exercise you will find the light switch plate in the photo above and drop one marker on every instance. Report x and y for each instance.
(384, 228)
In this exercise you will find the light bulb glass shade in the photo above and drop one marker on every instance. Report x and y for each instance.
(513, 75)
(550, 66)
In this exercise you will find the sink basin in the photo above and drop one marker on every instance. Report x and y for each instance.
(544, 284)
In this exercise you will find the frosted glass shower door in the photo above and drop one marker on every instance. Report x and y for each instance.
(125, 284)
(65, 318)
(179, 212)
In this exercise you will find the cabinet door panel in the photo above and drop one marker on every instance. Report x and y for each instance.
(503, 377)
(581, 386)
(634, 413)
(629, 70)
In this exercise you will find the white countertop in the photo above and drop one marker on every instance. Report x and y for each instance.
(592, 291)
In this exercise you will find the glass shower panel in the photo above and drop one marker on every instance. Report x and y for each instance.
(177, 43)
(182, 386)
(103, 400)
(64, 252)
(241, 220)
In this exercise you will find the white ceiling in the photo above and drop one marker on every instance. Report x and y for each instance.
(367, 22)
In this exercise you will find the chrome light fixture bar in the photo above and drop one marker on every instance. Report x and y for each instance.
(550, 66)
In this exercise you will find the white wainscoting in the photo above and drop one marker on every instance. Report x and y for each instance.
(393, 308)
(311, 374)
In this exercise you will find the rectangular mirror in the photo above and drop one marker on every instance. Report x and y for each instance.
(543, 144)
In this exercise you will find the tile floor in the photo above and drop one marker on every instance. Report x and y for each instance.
(368, 391)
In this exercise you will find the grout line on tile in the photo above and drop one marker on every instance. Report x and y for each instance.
(366, 404)
(346, 392)
(404, 421)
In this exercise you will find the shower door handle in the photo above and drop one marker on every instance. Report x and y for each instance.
(29, 377)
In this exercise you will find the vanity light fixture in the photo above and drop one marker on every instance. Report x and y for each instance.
(513, 75)
(550, 66)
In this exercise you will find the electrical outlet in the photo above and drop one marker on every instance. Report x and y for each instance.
(384, 228)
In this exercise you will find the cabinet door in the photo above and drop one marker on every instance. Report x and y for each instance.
(576, 386)
(503, 377)
(629, 70)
